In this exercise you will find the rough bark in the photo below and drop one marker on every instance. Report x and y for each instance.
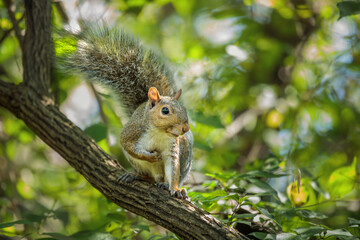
(37, 46)
(31, 101)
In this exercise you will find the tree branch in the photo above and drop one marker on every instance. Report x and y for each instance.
(81, 152)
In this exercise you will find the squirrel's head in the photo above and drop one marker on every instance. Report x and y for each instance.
(167, 113)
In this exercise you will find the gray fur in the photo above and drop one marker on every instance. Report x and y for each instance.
(112, 57)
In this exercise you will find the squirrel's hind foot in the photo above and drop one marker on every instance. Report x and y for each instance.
(184, 194)
(181, 194)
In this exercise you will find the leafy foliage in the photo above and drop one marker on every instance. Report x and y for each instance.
(98, 131)
(272, 89)
(348, 8)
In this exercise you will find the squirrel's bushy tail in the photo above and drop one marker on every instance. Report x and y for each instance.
(112, 57)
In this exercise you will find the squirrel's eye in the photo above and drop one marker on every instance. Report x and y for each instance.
(165, 110)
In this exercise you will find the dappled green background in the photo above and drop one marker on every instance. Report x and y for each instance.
(273, 92)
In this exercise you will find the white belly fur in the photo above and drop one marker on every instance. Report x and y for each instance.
(153, 140)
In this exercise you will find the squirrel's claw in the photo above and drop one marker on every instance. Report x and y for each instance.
(177, 194)
(184, 194)
(162, 185)
(128, 177)
(180, 194)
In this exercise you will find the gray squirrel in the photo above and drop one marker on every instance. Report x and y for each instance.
(157, 139)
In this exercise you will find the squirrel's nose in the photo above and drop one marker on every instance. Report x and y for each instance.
(186, 128)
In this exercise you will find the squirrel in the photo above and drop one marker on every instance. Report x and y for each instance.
(157, 140)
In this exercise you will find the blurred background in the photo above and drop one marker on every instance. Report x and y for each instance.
(272, 89)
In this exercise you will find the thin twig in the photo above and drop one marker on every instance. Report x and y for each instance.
(99, 101)
(12, 17)
(59, 5)
(101, 111)
(7, 32)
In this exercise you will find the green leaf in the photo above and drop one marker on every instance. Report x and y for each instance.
(309, 232)
(235, 197)
(141, 227)
(116, 216)
(34, 217)
(244, 215)
(306, 213)
(266, 212)
(213, 199)
(161, 237)
(242, 221)
(215, 194)
(183, 7)
(287, 236)
(64, 45)
(92, 235)
(264, 186)
(209, 200)
(342, 181)
(210, 120)
(8, 48)
(288, 212)
(211, 196)
(259, 235)
(46, 238)
(353, 221)
(83, 234)
(58, 236)
(202, 146)
(22, 221)
(354, 230)
(348, 8)
(223, 177)
(264, 174)
(340, 234)
(97, 131)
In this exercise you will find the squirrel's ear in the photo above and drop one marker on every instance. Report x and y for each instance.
(154, 96)
(178, 94)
